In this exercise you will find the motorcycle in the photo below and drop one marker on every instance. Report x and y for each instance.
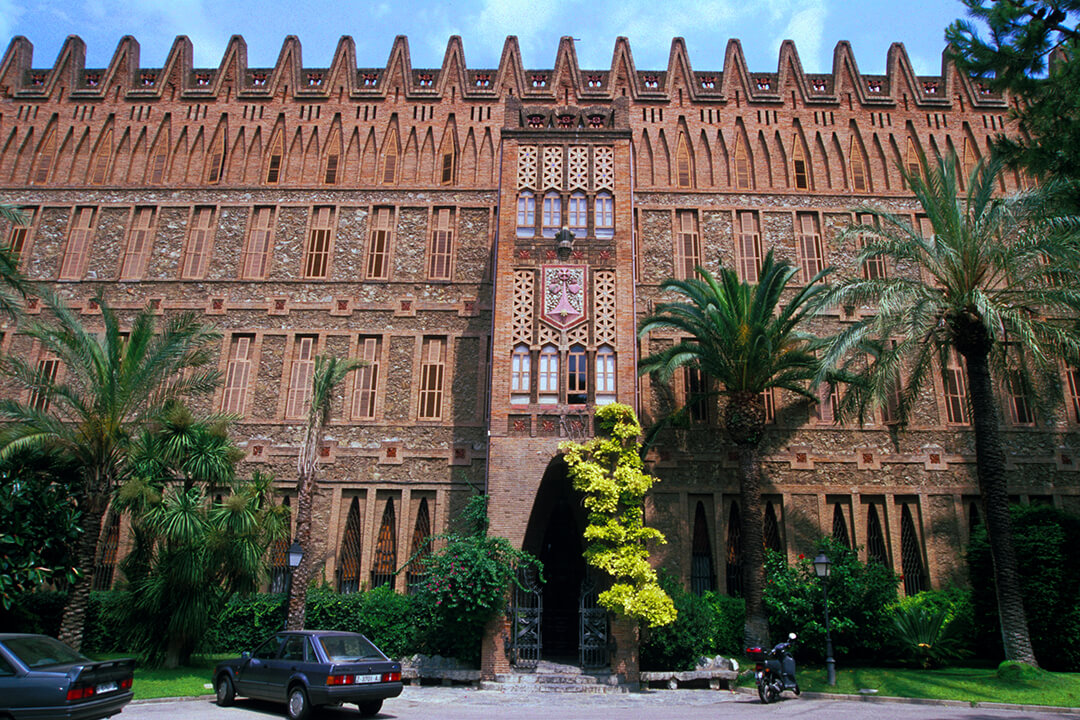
(774, 670)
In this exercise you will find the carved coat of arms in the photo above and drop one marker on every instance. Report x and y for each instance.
(564, 294)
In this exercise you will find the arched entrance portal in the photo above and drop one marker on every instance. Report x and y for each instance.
(568, 619)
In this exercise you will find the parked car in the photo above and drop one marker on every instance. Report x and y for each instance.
(41, 677)
(311, 668)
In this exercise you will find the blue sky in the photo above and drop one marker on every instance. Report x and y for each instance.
(814, 25)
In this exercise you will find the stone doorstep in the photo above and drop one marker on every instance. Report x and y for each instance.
(716, 679)
(512, 688)
(418, 676)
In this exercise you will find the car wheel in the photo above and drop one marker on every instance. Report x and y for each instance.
(299, 706)
(225, 691)
(370, 708)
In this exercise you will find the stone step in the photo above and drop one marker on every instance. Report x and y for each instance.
(529, 688)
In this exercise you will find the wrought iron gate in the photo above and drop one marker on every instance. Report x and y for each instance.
(593, 635)
(526, 608)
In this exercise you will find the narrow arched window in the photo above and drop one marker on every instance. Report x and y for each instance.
(604, 216)
(578, 214)
(349, 564)
(389, 173)
(526, 214)
(548, 376)
(857, 165)
(911, 555)
(772, 529)
(279, 560)
(911, 159)
(420, 548)
(741, 164)
(702, 574)
(520, 370)
(577, 374)
(799, 171)
(385, 564)
(876, 549)
(332, 160)
(683, 170)
(44, 161)
(274, 157)
(839, 526)
(99, 165)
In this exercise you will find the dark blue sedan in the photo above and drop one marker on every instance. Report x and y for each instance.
(309, 669)
(43, 678)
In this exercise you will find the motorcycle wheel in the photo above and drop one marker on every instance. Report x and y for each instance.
(772, 693)
(761, 693)
(798, 692)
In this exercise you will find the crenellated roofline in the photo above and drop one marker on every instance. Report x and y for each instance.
(566, 82)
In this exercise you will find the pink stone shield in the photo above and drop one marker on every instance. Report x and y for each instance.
(564, 294)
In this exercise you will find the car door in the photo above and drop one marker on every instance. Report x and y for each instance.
(253, 679)
(280, 669)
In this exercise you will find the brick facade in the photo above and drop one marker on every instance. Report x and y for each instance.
(408, 216)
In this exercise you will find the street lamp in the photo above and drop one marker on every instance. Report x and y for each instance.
(564, 244)
(822, 568)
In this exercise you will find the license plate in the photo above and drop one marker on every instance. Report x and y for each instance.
(367, 679)
(106, 688)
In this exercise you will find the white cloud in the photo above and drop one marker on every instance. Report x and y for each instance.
(9, 16)
(806, 27)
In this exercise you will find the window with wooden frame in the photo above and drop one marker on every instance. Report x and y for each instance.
(551, 221)
(768, 399)
(577, 376)
(99, 163)
(20, 234)
(384, 565)
(48, 366)
(448, 163)
(274, 157)
(547, 377)
(696, 394)
(348, 571)
(526, 214)
(369, 349)
(873, 268)
(968, 160)
(78, 247)
(799, 170)
(577, 215)
(256, 259)
(432, 375)
(140, 243)
(826, 406)
(200, 238)
(378, 251)
(911, 160)
(1021, 411)
(237, 375)
(419, 549)
(159, 158)
(520, 375)
(857, 167)
(741, 164)
(317, 258)
(301, 373)
(1072, 378)
(748, 247)
(687, 244)
(808, 240)
(215, 158)
(604, 216)
(954, 384)
(333, 157)
(389, 176)
(684, 176)
(46, 155)
(441, 249)
(605, 375)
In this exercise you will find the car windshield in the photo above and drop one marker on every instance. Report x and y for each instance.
(339, 648)
(38, 651)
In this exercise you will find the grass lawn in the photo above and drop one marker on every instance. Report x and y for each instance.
(966, 684)
(181, 682)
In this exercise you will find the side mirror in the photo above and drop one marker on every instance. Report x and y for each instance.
(246, 655)
(792, 636)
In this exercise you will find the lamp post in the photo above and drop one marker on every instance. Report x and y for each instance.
(564, 244)
(822, 568)
(294, 556)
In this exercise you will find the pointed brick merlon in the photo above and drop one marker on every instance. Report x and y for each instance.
(844, 85)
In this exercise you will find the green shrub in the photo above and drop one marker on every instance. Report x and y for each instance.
(39, 611)
(934, 627)
(860, 597)
(245, 621)
(728, 620)
(1047, 543)
(709, 624)
(389, 619)
(104, 630)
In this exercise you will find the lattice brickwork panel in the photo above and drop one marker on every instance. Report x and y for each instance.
(604, 297)
(524, 283)
(553, 160)
(577, 165)
(604, 168)
(548, 335)
(579, 334)
(526, 167)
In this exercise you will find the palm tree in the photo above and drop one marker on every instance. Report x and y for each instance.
(749, 342)
(982, 286)
(110, 385)
(329, 372)
(13, 284)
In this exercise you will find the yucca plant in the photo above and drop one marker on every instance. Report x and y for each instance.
(927, 635)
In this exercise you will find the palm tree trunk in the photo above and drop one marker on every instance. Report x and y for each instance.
(756, 630)
(71, 627)
(993, 489)
(305, 489)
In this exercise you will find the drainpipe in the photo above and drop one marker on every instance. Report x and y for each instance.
(634, 259)
(494, 295)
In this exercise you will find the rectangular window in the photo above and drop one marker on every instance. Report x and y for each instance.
(1072, 374)
(578, 215)
(367, 377)
(748, 247)
(447, 177)
(47, 368)
(300, 377)
(605, 376)
(19, 235)
(577, 373)
(78, 247)
(317, 262)
(955, 392)
(330, 176)
(440, 252)
(257, 250)
(237, 374)
(1020, 407)
(157, 165)
(547, 379)
(520, 370)
(808, 239)
(873, 268)
(552, 219)
(687, 245)
(770, 406)
(432, 368)
(378, 255)
(526, 215)
(695, 394)
(197, 253)
(604, 216)
(828, 399)
(140, 242)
